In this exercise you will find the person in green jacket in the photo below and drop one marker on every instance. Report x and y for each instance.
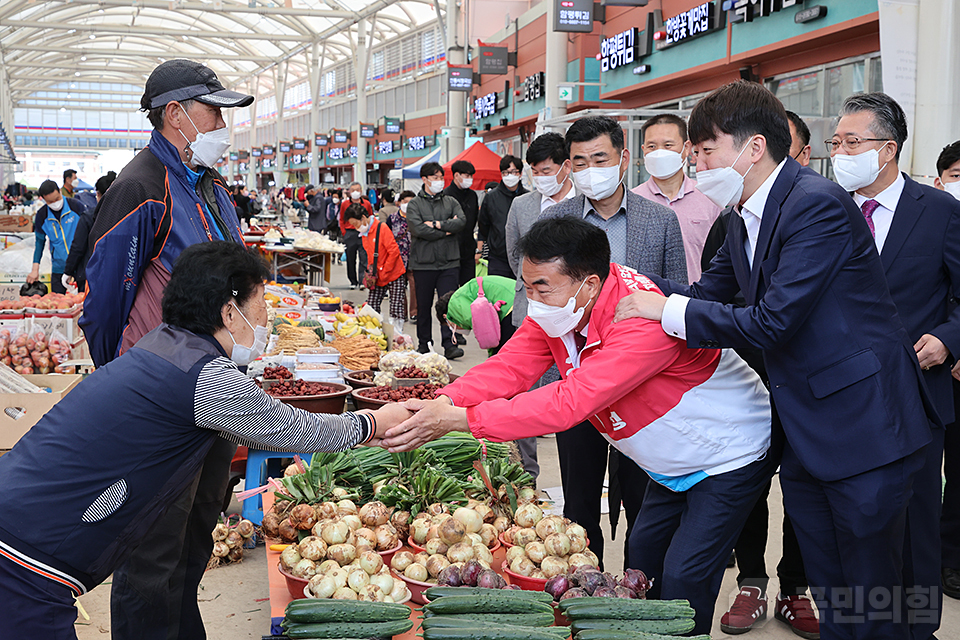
(453, 308)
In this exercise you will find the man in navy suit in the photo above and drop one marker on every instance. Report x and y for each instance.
(844, 377)
(917, 232)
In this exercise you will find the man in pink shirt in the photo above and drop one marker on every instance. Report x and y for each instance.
(665, 152)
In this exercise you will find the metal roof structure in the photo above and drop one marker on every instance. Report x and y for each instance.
(47, 44)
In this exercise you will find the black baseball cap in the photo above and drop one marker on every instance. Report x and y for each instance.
(188, 80)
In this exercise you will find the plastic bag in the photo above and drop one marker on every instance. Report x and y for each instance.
(384, 379)
(393, 360)
(435, 366)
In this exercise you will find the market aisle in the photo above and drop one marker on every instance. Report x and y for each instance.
(229, 595)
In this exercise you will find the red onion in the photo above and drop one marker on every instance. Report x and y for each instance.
(557, 586)
(450, 577)
(490, 579)
(623, 592)
(470, 572)
(576, 592)
(604, 592)
(636, 581)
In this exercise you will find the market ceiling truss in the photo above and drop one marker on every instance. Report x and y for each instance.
(45, 45)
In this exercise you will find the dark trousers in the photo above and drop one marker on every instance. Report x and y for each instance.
(154, 593)
(428, 282)
(354, 252)
(921, 550)
(34, 606)
(686, 537)
(950, 518)
(583, 454)
(498, 266)
(851, 534)
(752, 544)
(56, 283)
(468, 267)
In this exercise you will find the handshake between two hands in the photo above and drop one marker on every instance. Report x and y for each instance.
(408, 425)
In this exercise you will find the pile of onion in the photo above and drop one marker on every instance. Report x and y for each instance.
(363, 578)
(545, 546)
(442, 533)
(228, 541)
(339, 523)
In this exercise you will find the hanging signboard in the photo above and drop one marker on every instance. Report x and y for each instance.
(256, 152)
(299, 144)
(340, 137)
(460, 77)
(492, 60)
(321, 139)
(573, 16)
(368, 130)
(285, 147)
(391, 125)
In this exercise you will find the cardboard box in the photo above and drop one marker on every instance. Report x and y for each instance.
(30, 407)
(16, 224)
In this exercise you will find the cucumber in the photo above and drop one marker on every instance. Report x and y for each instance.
(526, 633)
(627, 609)
(542, 619)
(602, 611)
(327, 610)
(666, 627)
(463, 622)
(451, 605)
(348, 629)
(438, 592)
(610, 634)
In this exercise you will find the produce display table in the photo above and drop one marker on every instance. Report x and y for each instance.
(280, 596)
(318, 265)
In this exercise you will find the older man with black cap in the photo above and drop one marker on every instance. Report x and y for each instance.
(167, 198)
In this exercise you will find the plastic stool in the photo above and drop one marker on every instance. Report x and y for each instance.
(256, 476)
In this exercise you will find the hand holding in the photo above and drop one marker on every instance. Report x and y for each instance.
(642, 304)
(387, 417)
(930, 351)
(433, 418)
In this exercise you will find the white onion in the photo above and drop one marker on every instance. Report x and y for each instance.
(339, 576)
(481, 553)
(357, 578)
(416, 572)
(488, 534)
(515, 552)
(436, 564)
(523, 537)
(370, 593)
(327, 566)
(399, 591)
(470, 519)
(344, 554)
(401, 560)
(374, 514)
(522, 566)
(335, 533)
(346, 507)
(289, 556)
(323, 586)
(304, 569)
(384, 581)
(553, 566)
(451, 531)
(536, 551)
(419, 529)
(557, 544)
(528, 515)
(435, 546)
(371, 562)
(345, 593)
(460, 552)
(352, 520)
(313, 548)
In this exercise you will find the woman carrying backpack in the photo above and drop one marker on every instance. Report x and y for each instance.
(385, 269)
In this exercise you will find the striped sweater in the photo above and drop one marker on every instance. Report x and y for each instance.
(97, 470)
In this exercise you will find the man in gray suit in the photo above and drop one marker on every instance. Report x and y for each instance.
(645, 236)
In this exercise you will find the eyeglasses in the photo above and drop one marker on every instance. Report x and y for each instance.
(510, 173)
(852, 143)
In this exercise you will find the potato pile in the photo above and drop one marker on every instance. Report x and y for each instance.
(545, 546)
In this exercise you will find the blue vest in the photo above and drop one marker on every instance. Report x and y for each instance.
(94, 474)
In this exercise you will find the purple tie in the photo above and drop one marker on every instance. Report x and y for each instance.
(868, 207)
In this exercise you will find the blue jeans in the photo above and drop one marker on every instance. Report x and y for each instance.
(683, 540)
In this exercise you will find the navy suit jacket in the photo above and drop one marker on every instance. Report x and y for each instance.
(921, 259)
(843, 373)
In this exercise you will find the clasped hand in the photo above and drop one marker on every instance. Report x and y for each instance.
(430, 420)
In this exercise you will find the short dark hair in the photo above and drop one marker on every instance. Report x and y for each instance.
(47, 187)
(949, 156)
(464, 167)
(491, 185)
(103, 182)
(890, 122)
(592, 127)
(508, 161)
(550, 145)
(803, 131)
(69, 173)
(742, 109)
(443, 303)
(355, 211)
(664, 118)
(406, 194)
(431, 168)
(205, 277)
(582, 248)
(157, 115)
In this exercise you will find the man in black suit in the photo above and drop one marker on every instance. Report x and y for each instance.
(844, 376)
(917, 232)
(948, 179)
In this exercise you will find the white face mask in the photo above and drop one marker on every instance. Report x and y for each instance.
(336, 201)
(436, 186)
(510, 181)
(403, 207)
(859, 171)
(953, 188)
(556, 321)
(56, 206)
(243, 355)
(723, 186)
(549, 185)
(363, 229)
(663, 163)
(207, 149)
(355, 195)
(598, 183)
(466, 183)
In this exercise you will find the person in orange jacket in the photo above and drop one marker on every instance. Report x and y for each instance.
(385, 268)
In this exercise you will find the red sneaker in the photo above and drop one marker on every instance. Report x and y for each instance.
(797, 612)
(749, 608)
